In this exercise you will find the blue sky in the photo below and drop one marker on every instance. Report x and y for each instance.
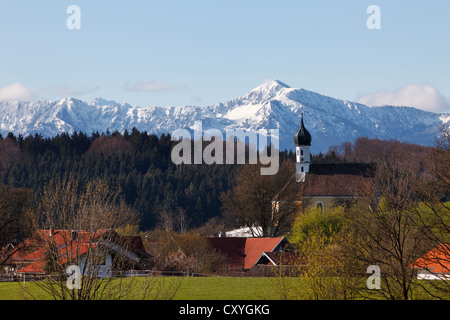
(156, 53)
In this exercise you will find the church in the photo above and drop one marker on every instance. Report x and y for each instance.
(328, 185)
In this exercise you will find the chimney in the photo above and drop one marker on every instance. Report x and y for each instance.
(50, 232)
(73, 235)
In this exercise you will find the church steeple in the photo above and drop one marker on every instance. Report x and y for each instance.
(302, 137)
(302, 150)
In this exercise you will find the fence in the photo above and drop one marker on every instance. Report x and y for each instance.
(257, 271)
(114, 274)
(22, 277)
(156, 273)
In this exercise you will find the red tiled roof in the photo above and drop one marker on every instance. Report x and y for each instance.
(35, 267)
(436, 260)
(33, 249)
(256, 246)
(135, 242)
(233, 248)
(243, 253)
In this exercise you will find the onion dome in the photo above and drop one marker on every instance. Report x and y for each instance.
(302, 137)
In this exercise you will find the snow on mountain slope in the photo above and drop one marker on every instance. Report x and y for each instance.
(273, 105)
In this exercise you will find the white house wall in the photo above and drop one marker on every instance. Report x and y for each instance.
(104, 270)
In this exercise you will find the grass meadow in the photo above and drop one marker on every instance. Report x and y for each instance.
(190, 288)
(213, 288)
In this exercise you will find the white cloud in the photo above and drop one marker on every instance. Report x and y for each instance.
(153, 86)
(16, 91)
(424, 97)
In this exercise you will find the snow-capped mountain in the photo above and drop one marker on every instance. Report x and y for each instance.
(273, 105)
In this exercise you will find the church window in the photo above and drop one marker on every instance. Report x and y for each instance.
(319, 205)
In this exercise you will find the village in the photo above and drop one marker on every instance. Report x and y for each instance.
(376, 206)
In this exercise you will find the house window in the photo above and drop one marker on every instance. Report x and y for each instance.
(319, 205)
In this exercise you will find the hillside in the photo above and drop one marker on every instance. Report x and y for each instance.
(141, 165)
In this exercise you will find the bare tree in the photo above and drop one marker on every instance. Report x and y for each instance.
(182, 220)
(266, 201)
(176, 220)
(383, 230)
(187, 252)
(213, 227)
(434, 214)
(166, 220)
(79, 226)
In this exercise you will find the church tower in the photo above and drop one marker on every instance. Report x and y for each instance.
(302, 150)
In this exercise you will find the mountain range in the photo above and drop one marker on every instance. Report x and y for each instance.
(273, 105)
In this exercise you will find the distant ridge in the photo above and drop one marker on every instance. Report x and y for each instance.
(272, 105)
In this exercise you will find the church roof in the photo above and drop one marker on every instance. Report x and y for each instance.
(338, 180)
(360, 169)
(302, 137)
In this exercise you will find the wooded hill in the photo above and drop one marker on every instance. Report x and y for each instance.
(140, 164)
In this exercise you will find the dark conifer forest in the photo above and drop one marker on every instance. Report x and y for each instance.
(140, 164)
(137, 162)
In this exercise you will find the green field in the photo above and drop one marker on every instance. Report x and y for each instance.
(201, 288)
(190, 288)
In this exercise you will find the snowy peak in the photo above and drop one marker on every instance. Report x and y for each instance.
(273, 85)
(267, 91)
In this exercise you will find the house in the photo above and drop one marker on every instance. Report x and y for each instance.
(329, 185)
(242, 253)
(245, 232)
(435, 264)
(48, 250)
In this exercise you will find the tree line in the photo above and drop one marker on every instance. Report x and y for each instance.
(140, 165)
(136, 162)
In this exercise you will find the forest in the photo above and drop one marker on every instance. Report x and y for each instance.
(140, 165)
